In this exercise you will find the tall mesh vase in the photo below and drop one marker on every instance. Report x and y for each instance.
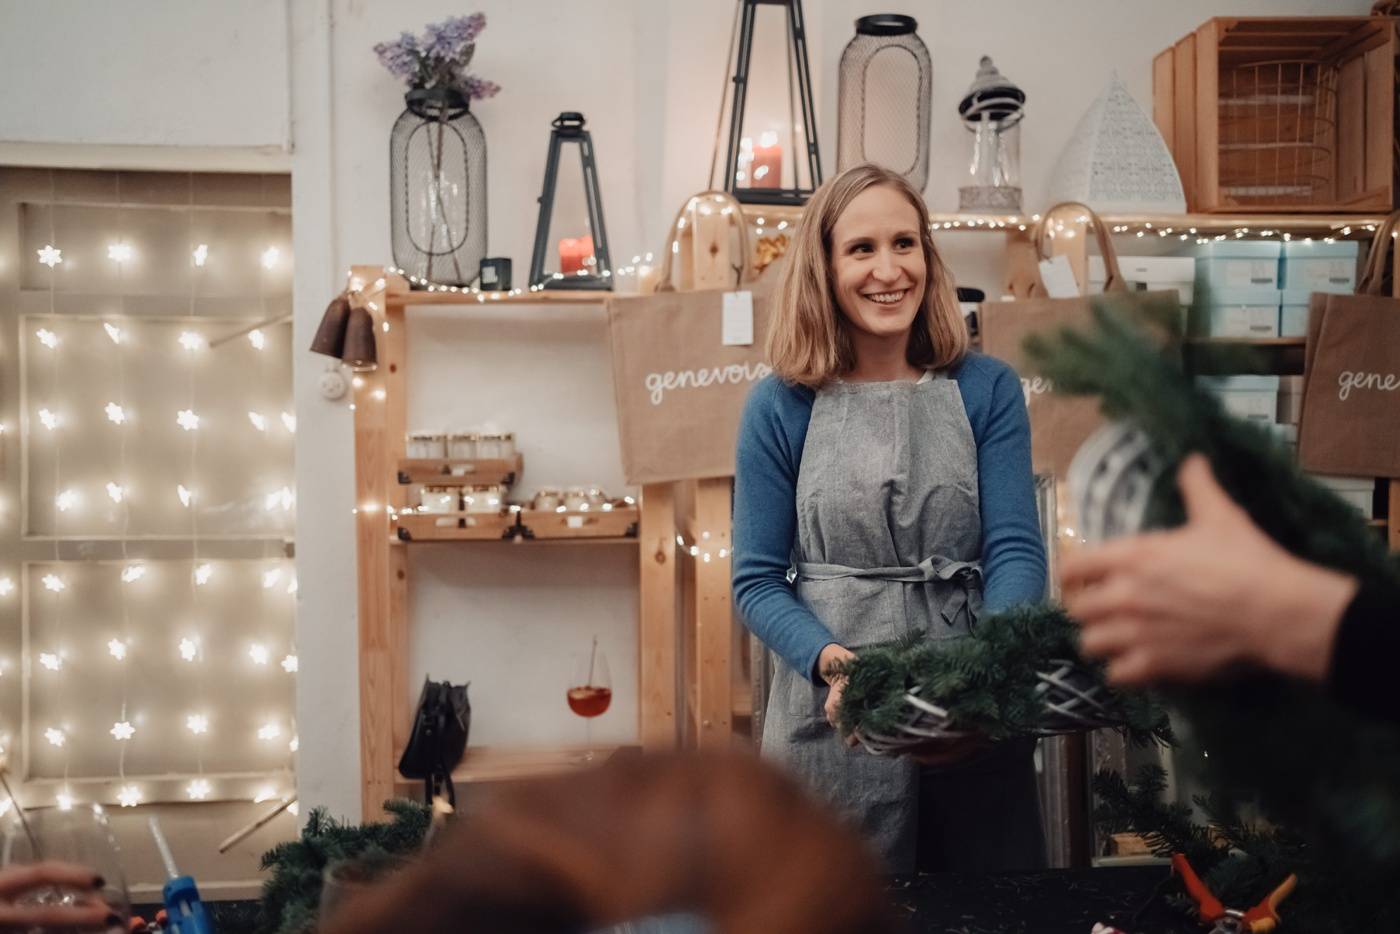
(437, 188)
(885, 93)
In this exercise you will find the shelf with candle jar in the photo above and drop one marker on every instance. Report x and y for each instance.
(461, 470)
(578, 513)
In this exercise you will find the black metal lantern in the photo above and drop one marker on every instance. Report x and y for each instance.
(885, 93)
(584, 261)
(437, 187)
(754, 163)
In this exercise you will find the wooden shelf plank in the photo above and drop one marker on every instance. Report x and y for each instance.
(496, 764)
(456, 470)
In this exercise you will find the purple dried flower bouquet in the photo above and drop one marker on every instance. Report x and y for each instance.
(439, 58)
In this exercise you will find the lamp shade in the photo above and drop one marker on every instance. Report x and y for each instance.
(330, 334)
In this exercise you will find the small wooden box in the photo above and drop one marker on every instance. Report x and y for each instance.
(456, 526)
(619, 522)
(1266, 114)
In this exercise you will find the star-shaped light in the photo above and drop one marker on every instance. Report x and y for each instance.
(257, 338)
(184, 493)
(258, 421)
(64, 800)
(190, 340)
(115, 413)
(55, 737)
(118, 648)
(129, 796)
(289, 664)
(265, 793)
(48, 419)
(50, 256)
(187, 419)
(114, 332)
(198, 789)
(122, 731)
(203, 573)
(121, 252)
(116, 491)
(292, 587)
(283, 497)
(7, 586)
(197, 723)
(46, 337)
(50, 661)
(289, 421)
(133, 573)
(66, 500)
(258, 653)
(54, 582)
(200, 254)
(270, 257)
(270, 578)
(294, 744)
(269, 731)
(188, 649)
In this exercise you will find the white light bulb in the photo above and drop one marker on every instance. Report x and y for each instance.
(49, 256)
(257, 338)
(258, 653)
(187, 419)
(133, 573)
(49, 420)
(185, 494)
(270, 257)
(200, 254)
(116, 491)
(294, 744)
(64, 800)
(289, 664)
(129, 796)
(55, 583)
(117, 647)
(7, 586)
(55, 737)
(203, 573)
(46, 337)
(190, 340)
(114, 332)
(67, 500)
(269, 731)
(121, 252)
(289, 421)
(122, 731)
(115, 413)
(188, 649)
(258, 421)
(50, 661)
(197, 723)
(198, 789)
(270, 578)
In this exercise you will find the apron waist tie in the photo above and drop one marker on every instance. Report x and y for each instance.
(966, 574)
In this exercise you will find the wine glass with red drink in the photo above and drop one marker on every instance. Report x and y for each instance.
(590, 691)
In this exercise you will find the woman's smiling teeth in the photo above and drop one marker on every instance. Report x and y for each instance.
(887, 298)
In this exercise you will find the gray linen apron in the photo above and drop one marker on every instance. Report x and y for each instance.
(889, 540)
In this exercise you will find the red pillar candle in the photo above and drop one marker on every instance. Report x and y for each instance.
(766, 170)
(575, 254)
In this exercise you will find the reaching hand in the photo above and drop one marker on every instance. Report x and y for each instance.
(88, 913)
(1186, 604)
(832, 655)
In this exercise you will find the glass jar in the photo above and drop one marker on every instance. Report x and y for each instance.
(440, 499)
(496, 447)
(426, 445)
(576, 499)
(484, 498)
(547, 499)
(464, 445)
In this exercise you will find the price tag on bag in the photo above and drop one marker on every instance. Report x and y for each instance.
(737, 329)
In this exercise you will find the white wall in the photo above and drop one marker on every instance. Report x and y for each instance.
(648, 75)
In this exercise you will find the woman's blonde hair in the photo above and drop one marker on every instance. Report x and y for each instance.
(808, 337)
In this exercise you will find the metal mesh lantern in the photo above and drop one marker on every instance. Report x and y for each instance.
(437, 188)
(992, 109)
(886, 90)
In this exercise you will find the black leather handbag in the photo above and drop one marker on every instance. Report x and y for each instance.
(440, 728)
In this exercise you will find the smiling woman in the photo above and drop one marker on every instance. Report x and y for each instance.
(885, 472)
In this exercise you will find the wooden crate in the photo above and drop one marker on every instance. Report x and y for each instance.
(1267, 114)
(458, 471)
(618, 522)
(455, 526)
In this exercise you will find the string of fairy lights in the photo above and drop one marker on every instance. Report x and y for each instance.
(61, 640)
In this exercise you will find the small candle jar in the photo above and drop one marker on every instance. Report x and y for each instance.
(440, 499)
(464, 446)
(484, 498)
(425, 445)
(576, 499)
(547, 499)
(596, 497)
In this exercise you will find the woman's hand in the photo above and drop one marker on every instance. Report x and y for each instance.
(1189, 603)
(89, 913)
(830, 657)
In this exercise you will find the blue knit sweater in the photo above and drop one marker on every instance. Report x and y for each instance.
(771, 437)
